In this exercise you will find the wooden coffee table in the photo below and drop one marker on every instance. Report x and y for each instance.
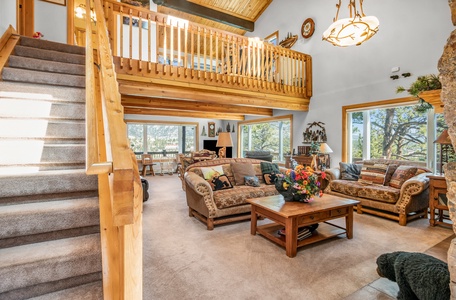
(293, 215)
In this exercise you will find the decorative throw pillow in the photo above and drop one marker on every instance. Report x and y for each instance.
(267, 167)
(240, 170)
(210, 172)
(350, 171)
(252, 181)
(220, 183)
(389, 173)
(402, 174)
(372, 173)
(270, 178)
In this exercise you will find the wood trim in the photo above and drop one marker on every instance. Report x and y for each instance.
(8, 41)
(25, 17)
(209, 96)
(433, 98)
(163, 103)
(182, 114)
(70, 22)
(361, 106)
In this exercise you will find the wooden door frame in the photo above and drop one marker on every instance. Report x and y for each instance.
(25, 17)
(70, 22)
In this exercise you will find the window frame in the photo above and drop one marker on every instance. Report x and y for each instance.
(264, 120)
(431, 126)
(170, 123)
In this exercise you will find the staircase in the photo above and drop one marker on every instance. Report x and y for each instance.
(49, 218)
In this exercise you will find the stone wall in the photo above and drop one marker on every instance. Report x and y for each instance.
(447, 69)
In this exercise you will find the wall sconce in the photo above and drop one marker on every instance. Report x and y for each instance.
(394, 77)
(351, 31)
(406, 75)
(203, 133)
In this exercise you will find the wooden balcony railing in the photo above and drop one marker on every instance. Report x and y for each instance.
(110, 157)
(150, 44)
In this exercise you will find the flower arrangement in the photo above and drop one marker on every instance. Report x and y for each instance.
(300, 184)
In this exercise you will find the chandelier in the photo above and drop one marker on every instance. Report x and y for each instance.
(351, 31)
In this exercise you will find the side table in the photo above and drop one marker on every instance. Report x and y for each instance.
(438, 200)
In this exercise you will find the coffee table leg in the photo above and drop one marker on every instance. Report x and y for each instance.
(253, 221)
(291, 237)
(349, 223)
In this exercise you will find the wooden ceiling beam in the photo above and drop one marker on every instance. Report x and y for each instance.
(216, 97)
(158, 103)
(208, 13)
(182, 114)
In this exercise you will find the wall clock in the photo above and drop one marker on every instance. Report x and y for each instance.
(211, 126)
(307, 28)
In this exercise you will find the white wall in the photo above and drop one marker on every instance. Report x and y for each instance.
(51, 21)
(7, 14)
(411, 36)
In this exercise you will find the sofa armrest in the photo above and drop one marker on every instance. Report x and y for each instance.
(332, 174)
(414, 188)
(199, 194)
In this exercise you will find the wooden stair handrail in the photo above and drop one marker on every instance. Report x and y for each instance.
(109, 155)
(8, 40)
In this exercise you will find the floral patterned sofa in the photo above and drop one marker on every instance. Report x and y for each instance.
(403, 196)
(225, 205)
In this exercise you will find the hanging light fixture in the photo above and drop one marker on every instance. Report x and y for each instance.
(351, 31)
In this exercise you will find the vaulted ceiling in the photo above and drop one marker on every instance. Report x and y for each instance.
(236, 16)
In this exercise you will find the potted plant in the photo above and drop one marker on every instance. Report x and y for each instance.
(423, 83)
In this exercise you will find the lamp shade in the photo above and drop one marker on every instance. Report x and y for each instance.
(325, 149)
(224, 140)
(444, 138)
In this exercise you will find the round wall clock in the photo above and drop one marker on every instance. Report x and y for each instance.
(307, 28)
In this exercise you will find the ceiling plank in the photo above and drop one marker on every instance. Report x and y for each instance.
(184, 114)
(181, 93)
(159, 103)
(208, 13)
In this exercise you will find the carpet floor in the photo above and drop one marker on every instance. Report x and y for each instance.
(183, 260)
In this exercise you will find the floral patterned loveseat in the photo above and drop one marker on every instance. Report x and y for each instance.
(401, 201)
(226, 205)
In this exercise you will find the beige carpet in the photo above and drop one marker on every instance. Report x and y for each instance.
(183, 260)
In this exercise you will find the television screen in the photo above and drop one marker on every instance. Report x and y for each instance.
(211, 145)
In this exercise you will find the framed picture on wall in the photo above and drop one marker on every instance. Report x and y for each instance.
(59, 2)
(211, 129)
(272, 38)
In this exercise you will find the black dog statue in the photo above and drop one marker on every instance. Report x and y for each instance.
(419, 276)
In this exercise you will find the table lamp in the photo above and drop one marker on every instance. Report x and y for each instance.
(224, 140)
(325, 150)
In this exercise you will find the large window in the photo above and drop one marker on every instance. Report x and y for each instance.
(392, 130)
(271, 134)
(160, 138)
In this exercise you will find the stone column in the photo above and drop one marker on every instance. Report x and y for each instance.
(447, 69)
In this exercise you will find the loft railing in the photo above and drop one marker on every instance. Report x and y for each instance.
(110, 157)
(146, 42)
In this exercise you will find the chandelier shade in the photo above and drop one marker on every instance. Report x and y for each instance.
(351, 31)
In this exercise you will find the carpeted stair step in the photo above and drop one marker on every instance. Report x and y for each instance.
(46, 182)
(49, 45)
(41, 263)
(50, 55)
(41, 217)
(31, 91)
(90, 291)
(21, 62)
(33, 108)
(22, 75)
(41, 128)
(17, 152)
